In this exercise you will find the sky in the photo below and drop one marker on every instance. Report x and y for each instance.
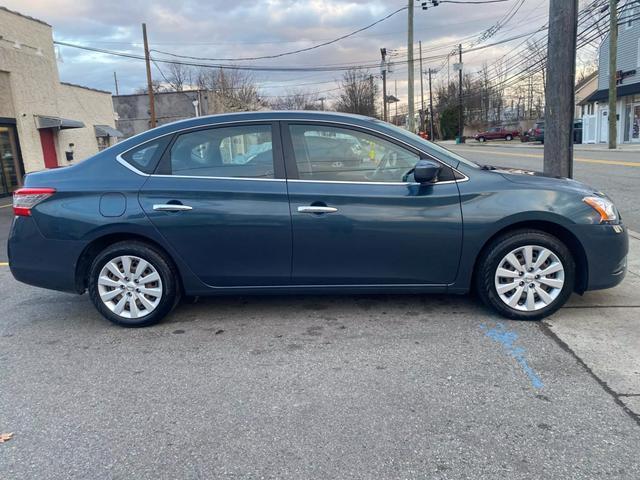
(241, 28)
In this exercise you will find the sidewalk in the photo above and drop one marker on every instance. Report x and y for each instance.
(516, 143)
(602, 330)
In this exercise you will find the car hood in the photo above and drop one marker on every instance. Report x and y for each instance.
(539, 180)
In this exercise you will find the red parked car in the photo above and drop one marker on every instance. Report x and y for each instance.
(496, 133)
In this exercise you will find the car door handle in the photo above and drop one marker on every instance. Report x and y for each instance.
(316, 209)
(171, 207)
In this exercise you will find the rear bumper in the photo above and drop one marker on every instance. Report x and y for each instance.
(39, 261)
(606, 251)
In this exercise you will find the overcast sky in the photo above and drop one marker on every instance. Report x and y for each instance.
(239, 28)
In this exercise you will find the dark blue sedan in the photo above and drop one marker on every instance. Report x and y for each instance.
(302, 202)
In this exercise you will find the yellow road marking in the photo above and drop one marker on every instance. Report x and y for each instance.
(4, 264)
(621, 163)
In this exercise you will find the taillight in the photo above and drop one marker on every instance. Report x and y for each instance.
(24, 199)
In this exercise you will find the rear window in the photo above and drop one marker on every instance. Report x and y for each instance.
(145, 157)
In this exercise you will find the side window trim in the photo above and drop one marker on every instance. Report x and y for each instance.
(292, 166)
(164, 165)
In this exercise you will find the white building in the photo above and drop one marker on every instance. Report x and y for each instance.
(44, 123)
(596, 107)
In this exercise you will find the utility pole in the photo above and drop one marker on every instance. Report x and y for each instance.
(152, 106)
(396, 95)
(560, 93)
(410, 125)
(383, 67)
(613, 53)
(421, 90)
(115, 80)
(322, 99)
(430, 108)
(460, 113)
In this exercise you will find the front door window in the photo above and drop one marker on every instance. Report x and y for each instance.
(326, 153)
(10, 165)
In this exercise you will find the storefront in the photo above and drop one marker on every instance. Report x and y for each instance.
(11, 168)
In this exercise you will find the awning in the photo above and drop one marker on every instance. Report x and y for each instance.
(621, 91)
(43, 121)
(107, 131)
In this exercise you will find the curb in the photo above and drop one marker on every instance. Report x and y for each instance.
(538, 146)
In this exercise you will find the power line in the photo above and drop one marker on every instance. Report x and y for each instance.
(293, 52)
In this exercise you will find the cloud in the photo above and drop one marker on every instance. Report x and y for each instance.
(216, 28)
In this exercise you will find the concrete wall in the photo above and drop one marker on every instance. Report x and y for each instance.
(34, 88)
(133, 110)
(91, 107)
(6, 99)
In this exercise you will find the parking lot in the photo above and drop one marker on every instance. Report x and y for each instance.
(319, 387)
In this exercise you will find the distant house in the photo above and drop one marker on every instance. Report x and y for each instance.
(596, 107)
(584, 89)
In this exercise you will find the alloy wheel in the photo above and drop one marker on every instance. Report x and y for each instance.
(130, 286)
(529, 278)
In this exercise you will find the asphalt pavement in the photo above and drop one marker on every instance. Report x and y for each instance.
(615, 172)
(393, 387)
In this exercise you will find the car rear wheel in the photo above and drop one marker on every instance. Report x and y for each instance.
(526, 275)
(481, 139)
(509, 138)
(132, 284)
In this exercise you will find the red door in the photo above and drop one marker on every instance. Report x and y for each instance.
(48, 148)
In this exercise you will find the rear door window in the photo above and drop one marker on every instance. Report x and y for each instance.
(233, 152)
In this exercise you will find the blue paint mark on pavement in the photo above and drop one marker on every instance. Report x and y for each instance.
(507, 339)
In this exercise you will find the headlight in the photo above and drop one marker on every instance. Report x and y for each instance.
(604, 207)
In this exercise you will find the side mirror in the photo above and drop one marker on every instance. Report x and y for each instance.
(426, 171)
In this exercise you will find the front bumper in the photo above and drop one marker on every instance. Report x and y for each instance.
(606, 248)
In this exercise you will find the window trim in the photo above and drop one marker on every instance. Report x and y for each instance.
(163, 168)
(292, 166)
(279, 124)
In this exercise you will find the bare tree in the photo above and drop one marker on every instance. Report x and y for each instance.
(296, 100)
(179, 77)
(232, 90)
(359, 93)
(156, 85)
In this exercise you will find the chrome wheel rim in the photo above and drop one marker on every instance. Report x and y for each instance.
(529, 278)
(130, 286)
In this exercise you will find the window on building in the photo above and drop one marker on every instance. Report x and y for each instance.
(238, 152)
(630, 15)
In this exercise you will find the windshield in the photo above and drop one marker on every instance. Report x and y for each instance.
(438, 150)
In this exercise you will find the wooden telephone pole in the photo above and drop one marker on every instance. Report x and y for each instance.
(560, 88)
(152, 105)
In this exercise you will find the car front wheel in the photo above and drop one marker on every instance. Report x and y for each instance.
(132, 284)
(526, 275)
(509, 138)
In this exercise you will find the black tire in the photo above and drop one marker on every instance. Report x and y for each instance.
(164, 267)
(508, 138)
(482, 139)
(494, 253)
